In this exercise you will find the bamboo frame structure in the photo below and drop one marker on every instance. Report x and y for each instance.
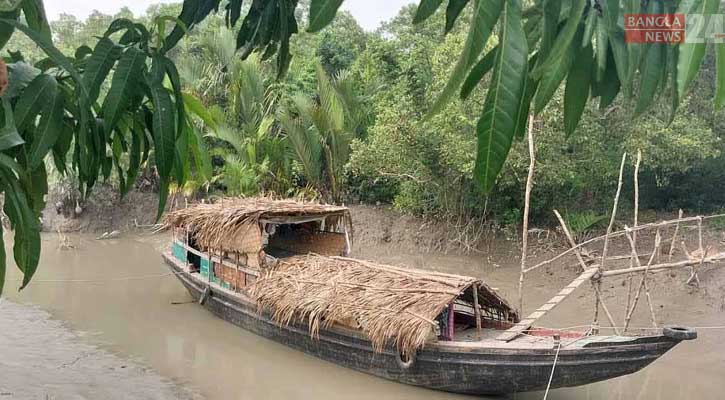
(595, 273)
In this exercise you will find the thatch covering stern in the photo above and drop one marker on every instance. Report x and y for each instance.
(391, 305)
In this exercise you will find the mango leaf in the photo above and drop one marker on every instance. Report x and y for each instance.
(650, 76)
(551, 81)
(601, 51)
(485, 16)
(34, 12)
(563, 40)
(552, 11)
(478, 72)
(124, 85)
(497, 125)
(425, 9)
(530, 86)
(720, 68)
(321, 13)
(453, 11)
(49, 128)
(9, 136)
(609, 86)
(576, 92)
(98, 66)
(164, 133)
(26, 248)
(691, 54)
(589, 26)
(32, 99)
(6, 31)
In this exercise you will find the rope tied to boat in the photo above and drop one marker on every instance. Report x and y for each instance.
(553, 367)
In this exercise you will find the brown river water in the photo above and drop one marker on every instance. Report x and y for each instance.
(181, 351)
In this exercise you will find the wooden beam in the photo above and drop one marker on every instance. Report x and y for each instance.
(476, 306)
(526, 323)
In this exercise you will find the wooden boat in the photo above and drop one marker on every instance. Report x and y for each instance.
(275, 268)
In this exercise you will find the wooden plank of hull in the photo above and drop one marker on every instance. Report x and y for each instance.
(461, 369)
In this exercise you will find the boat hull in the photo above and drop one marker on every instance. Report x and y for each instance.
(466, 369)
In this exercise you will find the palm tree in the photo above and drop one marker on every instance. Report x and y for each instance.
(320, 131)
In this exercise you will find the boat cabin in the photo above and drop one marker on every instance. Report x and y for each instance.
(289, 257)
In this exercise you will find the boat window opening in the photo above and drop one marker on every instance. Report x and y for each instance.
(282, 240)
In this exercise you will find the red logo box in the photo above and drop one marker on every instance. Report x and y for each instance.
(654, 28)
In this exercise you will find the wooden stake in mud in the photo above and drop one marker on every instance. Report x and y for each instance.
(598, 285)
(643, 282)
(527, 200)
(674, 236)
(634, 233)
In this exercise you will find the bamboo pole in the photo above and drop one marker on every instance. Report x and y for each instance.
(476, 307)
(621, 233)
(643, 282)
(630, 278)
(527, 200)
(583, 266)
(597, 285)
(663, 266)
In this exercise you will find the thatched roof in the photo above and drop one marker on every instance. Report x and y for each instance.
(232, 224)
(392, 305)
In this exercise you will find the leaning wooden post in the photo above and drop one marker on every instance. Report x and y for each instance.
(583, 266)
(476, 306)
(527, 201)
(598, 286)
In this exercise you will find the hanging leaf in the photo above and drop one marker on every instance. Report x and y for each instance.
(552, 11)
(40, 89)
(477, 73)
(98, 66)
(551, 81)
(163, 130)
(576, 93)
(563, 40)
(691, 54)
(321, 13)
(453, 11)
(34, 12)
(6, 30)
(485, 16)
(425, 9)
(720, 74)
(124, 85)
(650, 76)
(497, 125)
(49, 128)
(9, 136)
(234, 11)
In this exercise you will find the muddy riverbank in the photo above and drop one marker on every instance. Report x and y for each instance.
(120, 292)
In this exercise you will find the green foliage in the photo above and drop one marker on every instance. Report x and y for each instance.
(106, 106)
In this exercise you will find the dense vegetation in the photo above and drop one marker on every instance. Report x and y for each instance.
(347, 115)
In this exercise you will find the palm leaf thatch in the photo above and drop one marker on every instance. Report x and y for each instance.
(229, 223)
(391, 305)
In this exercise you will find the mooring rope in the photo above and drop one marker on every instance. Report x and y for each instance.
(553, 367)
